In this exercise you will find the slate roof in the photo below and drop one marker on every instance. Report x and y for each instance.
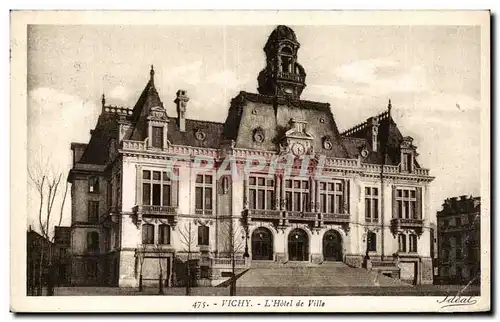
(211, 130)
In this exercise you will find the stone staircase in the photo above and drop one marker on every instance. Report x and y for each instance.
(297, 274)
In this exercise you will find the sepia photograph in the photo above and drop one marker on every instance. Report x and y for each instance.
(251, 161)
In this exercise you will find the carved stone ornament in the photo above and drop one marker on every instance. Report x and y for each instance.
(200, 135)
(258, 135)
(364, 152)
(297, 139)
(327, 143)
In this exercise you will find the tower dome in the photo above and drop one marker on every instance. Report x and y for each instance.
(283, 75)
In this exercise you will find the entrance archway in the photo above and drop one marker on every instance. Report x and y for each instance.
(262, 244)
(298, 245)
(332, 246)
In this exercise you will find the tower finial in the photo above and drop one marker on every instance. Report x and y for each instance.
(152, 72)
(103, 100)
(389, 106)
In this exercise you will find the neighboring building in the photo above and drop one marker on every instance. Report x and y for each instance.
(39, 249)
(62, 259)
(459, 240)
(131, 214)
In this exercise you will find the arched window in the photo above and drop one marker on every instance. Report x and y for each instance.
(148, 234)
(286, 50)
(164, 234)
(372, 242)
(92, 241)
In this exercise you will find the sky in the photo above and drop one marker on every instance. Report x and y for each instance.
(430, 73)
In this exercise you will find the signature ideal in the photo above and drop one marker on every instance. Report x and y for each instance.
(457, 300)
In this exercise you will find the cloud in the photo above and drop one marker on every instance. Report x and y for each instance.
(120, 92)
(225, 79)
(380, 76)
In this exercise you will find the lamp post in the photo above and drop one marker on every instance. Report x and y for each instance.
(367, 262)
(245, 236)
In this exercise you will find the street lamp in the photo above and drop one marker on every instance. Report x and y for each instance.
(245, 236)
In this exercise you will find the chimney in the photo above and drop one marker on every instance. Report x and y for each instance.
(373, 132)
(78, 150)
(181, 102)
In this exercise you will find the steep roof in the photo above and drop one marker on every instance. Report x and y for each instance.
(211, 132)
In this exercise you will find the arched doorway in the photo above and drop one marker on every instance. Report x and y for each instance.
(298, 245)
(332, 246)
(262, 244)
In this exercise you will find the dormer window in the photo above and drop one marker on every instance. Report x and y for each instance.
(407, 162)
(94, 184)
(157, 141)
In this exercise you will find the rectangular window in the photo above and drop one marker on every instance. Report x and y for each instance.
(148, 234)
(204, 194)
(164, 234)
(203, 235)
(93, 212)
(93, 241)
(157, 137)
(371, 204)
(261, 192)
(402, 243)
(331, 197)
(406, 204)
(156, 189)
(413, 243)
(297, 195)
(109, 193)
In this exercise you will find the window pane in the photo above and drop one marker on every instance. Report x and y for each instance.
(208, 179)
(413, 193)
(157, 137)
(374, 191)
(156, 175)
(305, 184)
(399, 209)
(413, 213)
(199, 178)
(260, 199)
(270, 200)
(199, 198)
(147, 234)
(338, 187)
(323, 202)
(166, 195)
(367, 191)
(375, 208)
(166, 176)
(331, 204)
(288, 198)
(405, 193)
(367, 208)
(157, 194)
(288, 183)
(296, 201)
(399, 193)
(270, 183)
(208, 198)
(146, 174)
(252, 200)
(260, 181)
(338, 204)
(305, 202)
(322, 186)
(252, 181)
(164, 234)
(330, 186)
(296, 184)
(146, 193)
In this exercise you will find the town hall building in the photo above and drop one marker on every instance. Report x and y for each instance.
(155, 196)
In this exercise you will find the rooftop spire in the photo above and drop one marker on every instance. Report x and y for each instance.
(103, 100)
(389, 107)
(152, 73)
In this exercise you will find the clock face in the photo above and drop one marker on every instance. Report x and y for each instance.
(288, 90)
(298, 149)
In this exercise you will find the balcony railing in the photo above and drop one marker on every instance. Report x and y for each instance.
(158, 210)
(204, 211)
(264, 214)
(133, 145)
(227, 262)
(407, 222)
(291, 76)
(335, 217)
(297, 215)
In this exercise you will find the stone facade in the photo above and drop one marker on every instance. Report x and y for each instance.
(459, 241)
(277, 182)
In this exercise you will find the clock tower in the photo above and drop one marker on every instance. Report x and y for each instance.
(283, 76)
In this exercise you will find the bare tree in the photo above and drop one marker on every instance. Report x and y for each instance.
(188, 240)
(141, 253)
(233, 242)
(159, 252)
(46, 182)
